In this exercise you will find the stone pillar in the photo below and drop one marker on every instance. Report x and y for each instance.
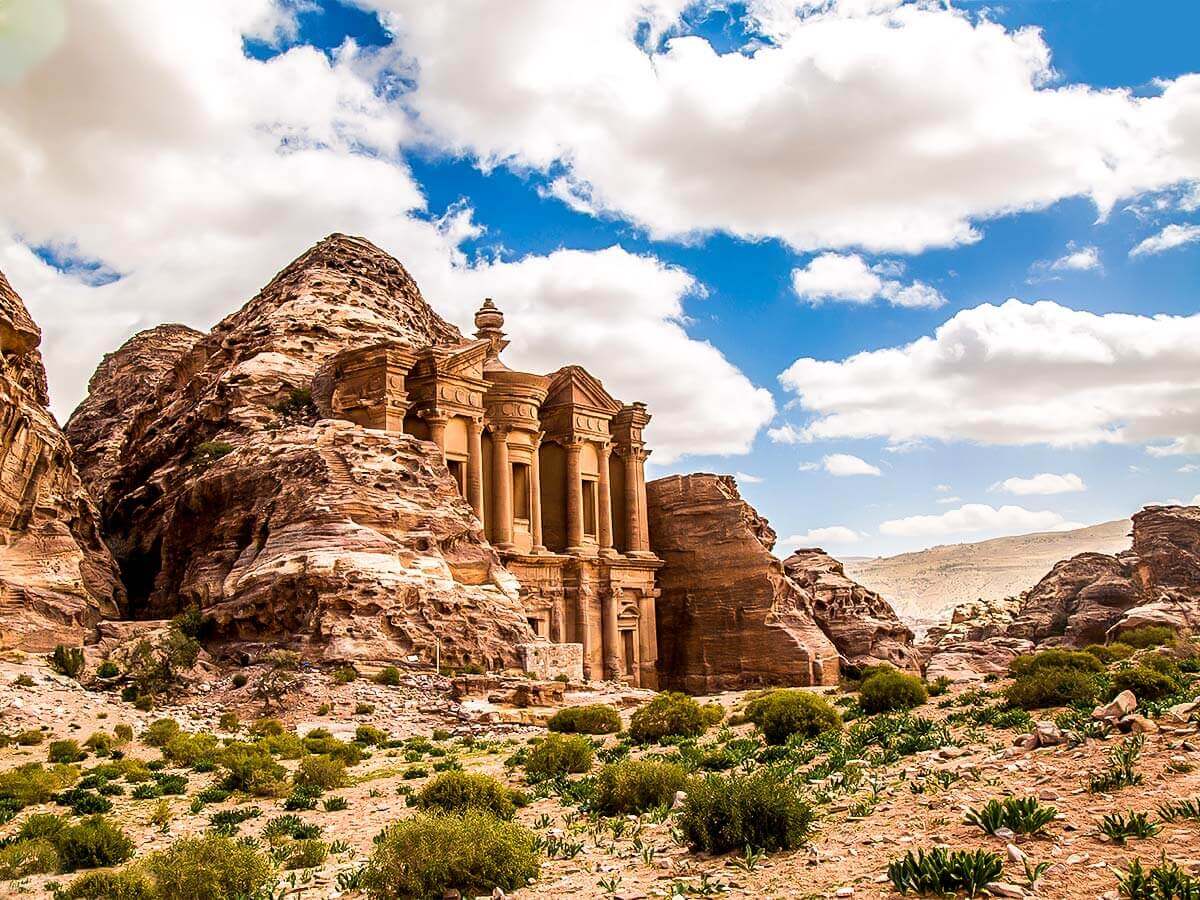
(535, 505)
(604, 500)
(647, 644)
(611, 649)
(437, 431)
(574, 498)
(502, 509)
(633, 501)
(643, 515)
(475, 466)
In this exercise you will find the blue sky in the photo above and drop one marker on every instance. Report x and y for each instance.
(509, 186)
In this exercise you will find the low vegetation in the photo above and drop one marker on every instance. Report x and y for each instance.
(595, 718)
(459, 792)
(559, 754)
(669, 715)
(783, 713)
(636, 786)
(732, 812)
(940, 872)
(1023, 815)
(890, 690)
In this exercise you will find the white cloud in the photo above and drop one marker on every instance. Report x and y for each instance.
(1017, 373)
(787, 434)
(1189, 467)
(943, 488)
(808, 466)
(1195, 501)
(848, 279)
(819, 537)
(1081, 259)
(886, 126)
(1043, 483)
(1168, 239)
(947, 500)
(843, 465)
(148, 141)
(977, 518)
(747, 478)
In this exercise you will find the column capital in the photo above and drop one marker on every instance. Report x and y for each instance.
(500, 430)
(435, 415)
(476, 423)
(604, 449)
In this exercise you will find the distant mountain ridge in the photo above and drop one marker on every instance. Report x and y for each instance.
(924, 585)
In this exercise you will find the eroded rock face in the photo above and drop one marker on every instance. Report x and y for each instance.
(228, 492)
(862, 624)
(1078, 601)
(728, 616)
(57, 578)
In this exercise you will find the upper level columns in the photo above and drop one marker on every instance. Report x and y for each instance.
(437, 430)
(535, 473)
(574, 497)
(604, 513)
(475, 466)
(636, 528)
(502, 510)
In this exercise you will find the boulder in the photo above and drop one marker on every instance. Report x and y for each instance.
(57, 577)
(1121, 705)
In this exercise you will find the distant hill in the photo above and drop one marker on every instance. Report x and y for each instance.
(925, 585)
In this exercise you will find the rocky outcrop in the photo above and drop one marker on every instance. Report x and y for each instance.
(123, 381)
(57, 578)
(226, 491)
(728, 616)
(862, 624)
(1078, 601)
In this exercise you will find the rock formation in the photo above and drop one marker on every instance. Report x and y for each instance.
(220, 487)
(57, 579)
(1086, 599)
(862, 624)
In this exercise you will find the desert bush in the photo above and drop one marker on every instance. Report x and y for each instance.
(344, 675)
(1145, 682)
(212, 867)
(458, 791)
(388, 675)
(251, 769)
(93, 843)
(370, 736)
(1023, 815)
(30, 737)
(240, 679)
(27, 857)
(938, 686)
(107, 669)
(335, 804)
(306, 854)
(228, 721)
(160, 731)
(65, 752)
(1174, 810)
(713, 712)
(1166, 881)
(186, 748)
(123, 733)
(635, 786)
(1147, 636)
(100, 742)
(430, 855)
(1054, 658)
(83, 802)
(941, 872)
(669, 715)
(891, 691)
(595, 718)
(207, 452)
(321, 772)
(759, 810)
(1120, 827)
(321, 741)
(1045, 687)
(1122, 766)
(32, 784)
(67, 661)
(780, 714)
(559, 754)
(127, 884)
(1109, 653)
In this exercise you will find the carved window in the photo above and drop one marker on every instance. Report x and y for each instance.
(627, 647)
(589, 507)
(522, 499)
(458, 471)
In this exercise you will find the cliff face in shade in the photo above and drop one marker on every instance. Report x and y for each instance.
(729, 617)
(125, 379)
(862, 624)
(224, 490)
(57, 578)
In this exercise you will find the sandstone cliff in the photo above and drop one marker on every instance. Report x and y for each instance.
(222, 489)
(728, 615)
(57, 578)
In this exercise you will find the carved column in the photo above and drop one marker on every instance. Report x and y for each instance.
(437, 430)
(574, 498)
(647, 643)
(633, 501)
(643, 515)
(611, 651)
(604, 513)
(475, 466)
(502, 508)
(535, 505)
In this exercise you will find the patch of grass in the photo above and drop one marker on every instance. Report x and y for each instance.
(891, 691)
(1109, 653)
(428, 856)
(783, 713)
(305, 854)
(1146, 683)
(1023, 815)
(1148, 636)
(939, 872)
(559, 754)
(595, 718)
(1054, 659)
(388, 675)
(1044, 687)
(67, 751)
(458, 791)
(1122, 763)
(635, 786)
(759, 810)
(669, 715)
(67, 661)
(1122, 826)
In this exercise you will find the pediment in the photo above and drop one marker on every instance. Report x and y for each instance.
(465, 361)
(573, 386)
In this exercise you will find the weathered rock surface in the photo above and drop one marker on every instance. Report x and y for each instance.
(862, 624)
(224, 490)
(728, 616)
(57, 578)
(122, 382)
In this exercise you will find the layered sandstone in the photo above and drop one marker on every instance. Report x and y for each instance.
(728, 615)
(57, 578)
(862, 624)
(224, 490)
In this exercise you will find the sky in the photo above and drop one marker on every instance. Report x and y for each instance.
(917, 273)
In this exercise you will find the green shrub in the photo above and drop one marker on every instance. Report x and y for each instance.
(559, 754)
(430, 855)
(891, 691)
(1122, 766)
(123, 733)
(306, 854)
(212, 867)
(458, 791)
(388, 675)
(942, 873)
(321, 741)
(669, 715)
(1054, 659)
(780, 714)
(107, 669)
(92, 844)
(100, 742)
(369, 735)
(208, 452)
(186, 748)
(252, 769)
(595, 718)
(1148, 636)
(635, 786)
(1121, 826)
(240, 679)
(1109, 653)
(344, 675)
(1046, 687)
(127, 884)
(31, 784)
(228, 721)
(82, 802)
(759, 810)
(1023, 815)
(30, 737)
(65, 752)
(713, 712)
(34, 856)
(938, 686)
(160, 731)
(1145, 682)
(1166, 881)
(321, 772)
(67, 661)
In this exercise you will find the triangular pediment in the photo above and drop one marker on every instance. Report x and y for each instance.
(575, 387)
(464, 361)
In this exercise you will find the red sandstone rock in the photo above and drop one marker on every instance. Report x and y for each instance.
(728, 616)
(57, 578)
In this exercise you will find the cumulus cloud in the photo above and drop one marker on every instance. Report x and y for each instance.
(1043, 483)
(1079, 259)
(975, 519)
(886, 126)
(747, 478)
(1168, 239)
(843, 465)
(1017, 373)
(947, 500)
(146, 145)
(787, 434)
(848, 279)
(819, 537)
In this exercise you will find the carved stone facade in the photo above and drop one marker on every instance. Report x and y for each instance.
(553, 467)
